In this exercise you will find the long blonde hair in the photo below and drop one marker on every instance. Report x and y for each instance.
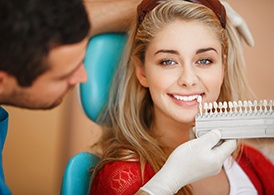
(128, 117)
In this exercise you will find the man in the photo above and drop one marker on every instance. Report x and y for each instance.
(43, 46)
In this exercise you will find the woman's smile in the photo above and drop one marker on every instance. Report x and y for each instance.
(185, 100)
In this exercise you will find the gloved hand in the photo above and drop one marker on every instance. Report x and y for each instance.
(191, 161)
(239, 23)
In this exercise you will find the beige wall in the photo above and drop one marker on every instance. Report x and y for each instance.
(32, 150)
(259, 16)
(40, 143)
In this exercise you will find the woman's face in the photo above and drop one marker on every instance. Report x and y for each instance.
(183, 61)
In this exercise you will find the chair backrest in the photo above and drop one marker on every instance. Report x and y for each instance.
(102, 57)
(77, 176)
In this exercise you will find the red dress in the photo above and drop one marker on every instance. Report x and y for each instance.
(124, 178)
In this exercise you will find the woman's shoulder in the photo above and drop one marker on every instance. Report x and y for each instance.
(121, 177)
(129, 169)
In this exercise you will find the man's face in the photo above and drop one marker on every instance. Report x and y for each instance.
(47, 91)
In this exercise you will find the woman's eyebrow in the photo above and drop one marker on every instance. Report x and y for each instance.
(205, 50)
(167, 51)
(177, 53)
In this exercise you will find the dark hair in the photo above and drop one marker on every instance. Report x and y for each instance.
(30, 28)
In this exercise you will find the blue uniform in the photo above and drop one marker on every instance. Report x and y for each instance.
(4, 116)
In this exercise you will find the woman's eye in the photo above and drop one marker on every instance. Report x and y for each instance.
(167, 62)
(204, 61)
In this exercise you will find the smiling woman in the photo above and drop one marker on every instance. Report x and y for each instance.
(176, 73)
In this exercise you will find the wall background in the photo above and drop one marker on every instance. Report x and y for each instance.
(39, 143)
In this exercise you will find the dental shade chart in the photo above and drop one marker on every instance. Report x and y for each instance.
(236, 119)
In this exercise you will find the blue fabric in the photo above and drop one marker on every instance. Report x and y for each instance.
(4, 117)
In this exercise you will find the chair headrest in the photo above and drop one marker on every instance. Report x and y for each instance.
(103, 54)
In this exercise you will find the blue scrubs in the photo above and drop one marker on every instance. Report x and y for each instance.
(4, 116)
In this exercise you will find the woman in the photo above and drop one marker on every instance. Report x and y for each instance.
(177, 52)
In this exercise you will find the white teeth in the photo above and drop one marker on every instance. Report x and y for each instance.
(186, 98)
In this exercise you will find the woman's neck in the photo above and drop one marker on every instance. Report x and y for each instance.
(171, 134)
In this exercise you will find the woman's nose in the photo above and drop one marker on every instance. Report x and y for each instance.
(188, 77)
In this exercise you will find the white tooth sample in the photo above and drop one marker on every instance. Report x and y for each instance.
(261, 105)
(215, 106)
(230, 105)
(235, 105)
(240, 105)
(220, 107)
(265, 105)
(225, 106)
(206, 107)
(199, 100)
(250, 104)
(245, 106)
(210, 106)
(255, 104)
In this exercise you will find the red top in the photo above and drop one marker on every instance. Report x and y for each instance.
(121, 178)
(259, 170)
(124, 178)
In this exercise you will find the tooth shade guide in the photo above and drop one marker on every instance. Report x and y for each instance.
(237, 107)
(237, 119)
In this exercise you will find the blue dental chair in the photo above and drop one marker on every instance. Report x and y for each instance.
(102, 57)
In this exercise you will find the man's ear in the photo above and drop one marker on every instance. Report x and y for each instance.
(5, 81)
(140, 72)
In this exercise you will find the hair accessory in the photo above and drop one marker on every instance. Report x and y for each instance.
(237, 119)
(215, 5)
(145, 7)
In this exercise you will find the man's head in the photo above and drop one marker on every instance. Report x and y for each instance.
(42, 43)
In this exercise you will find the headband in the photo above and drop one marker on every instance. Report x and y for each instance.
(147, 5)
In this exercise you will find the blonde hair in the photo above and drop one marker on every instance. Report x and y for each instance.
(128, 117)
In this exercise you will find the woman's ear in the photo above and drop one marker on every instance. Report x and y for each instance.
(140, 72)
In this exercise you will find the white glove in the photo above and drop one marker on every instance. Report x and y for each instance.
(239, 23)
(191, 161)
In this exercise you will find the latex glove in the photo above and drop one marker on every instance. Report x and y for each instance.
(191, 161)
(239, 23)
